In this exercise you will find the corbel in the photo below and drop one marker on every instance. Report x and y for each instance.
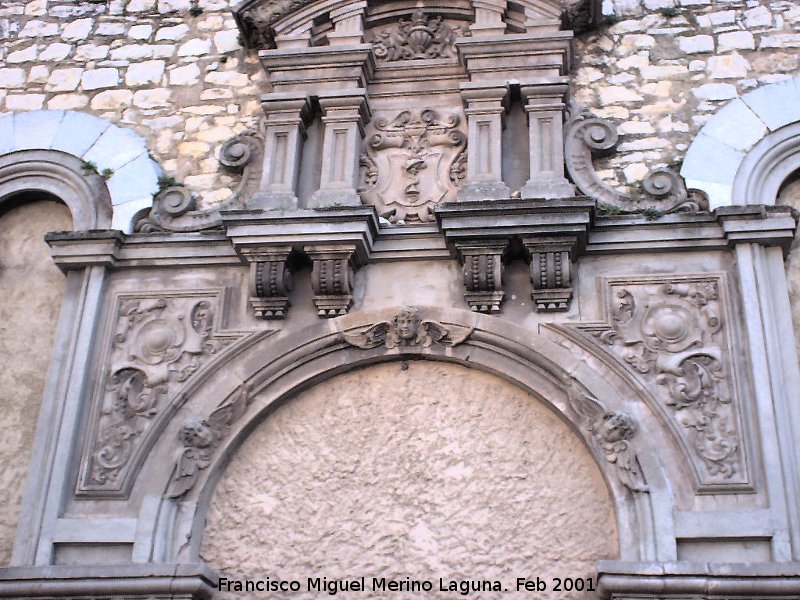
(332, 275)
(483, 274)
(551, 272)
(270, 280)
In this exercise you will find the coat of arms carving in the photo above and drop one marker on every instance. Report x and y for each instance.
(411, 163)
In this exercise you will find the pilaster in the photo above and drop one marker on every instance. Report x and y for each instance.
(485, 109)
(544, 105)
(344, 115)
(286, 116)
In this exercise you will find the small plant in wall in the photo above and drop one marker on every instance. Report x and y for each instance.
(195, 10)
(90, 168)
(164, 182)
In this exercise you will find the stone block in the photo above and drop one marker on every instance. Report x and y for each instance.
(696, 44)
(133, 52)
(36, 129)
(64, 80)
(20, 56)
(100, 78)
(780, 40)
(77, 30)
(187, 75)
(112, 100)
(227, 41)
(227, 78)
(612, 94)
(116, 147)
(732, 66)
(140, 32)
(659, 73)
(777, 105)
(145, 73)
(758, 17)
(152, 98)
(68, 102)
(38, 29)
(736, 125)
(172, 33)
(38, 74)
(25, 102)
(715, 91)
(55, 52)
(86, 52)
(12, 78)
(128, 181)
(195, 47)
(735, 40)
(79, 131)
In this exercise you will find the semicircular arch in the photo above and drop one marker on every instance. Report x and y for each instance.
(274, 369)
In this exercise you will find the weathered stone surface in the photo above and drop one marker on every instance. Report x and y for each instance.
(346, 503)
(68, 102)
(25, 102)
(184, 75)
(140, 32)
(732, 66)
(77, 30)
(195, 47)
(172, 33)
(112, 100)
(20, 56)
(64, 80)
(100, 78)
(12, 78)
(30, 317)
(227, 41)
(696, 44)
(38, 29)
(736, 40)
(715, 91)
(144, 73)
(151, 98)
(55, 52)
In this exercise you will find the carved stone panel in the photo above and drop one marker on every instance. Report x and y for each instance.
(413, 160)
(156, 343)
(421, 36)
(675, 335)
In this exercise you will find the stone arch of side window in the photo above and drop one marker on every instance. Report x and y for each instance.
(82, 143)
(746, 150)
(274, 369)
(59, 175)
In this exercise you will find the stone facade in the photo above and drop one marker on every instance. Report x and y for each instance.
(330, 256)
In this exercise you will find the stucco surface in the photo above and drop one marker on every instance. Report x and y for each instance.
(32, 289)
(425, 470)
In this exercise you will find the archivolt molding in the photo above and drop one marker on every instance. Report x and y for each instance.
(207, 430)
(86, 138)
(747, 149)
(58, 174)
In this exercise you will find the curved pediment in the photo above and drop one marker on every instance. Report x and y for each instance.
(291, 23)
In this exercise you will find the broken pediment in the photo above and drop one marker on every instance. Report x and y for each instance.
(269, 24)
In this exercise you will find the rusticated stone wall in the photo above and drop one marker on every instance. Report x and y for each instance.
(414, 469)
(663, 68)
(32, 289)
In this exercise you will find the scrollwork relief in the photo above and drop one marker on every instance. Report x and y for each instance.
(175, 208)
(157, 345)
(612, 432)
(671, 334)
(422, 36)
(663, 189)
(407, 329)
(412, 162)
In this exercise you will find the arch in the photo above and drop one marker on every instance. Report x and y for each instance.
(85, 139)
(277, 368)
(747, 149)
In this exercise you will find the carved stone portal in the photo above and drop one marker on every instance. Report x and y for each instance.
(411, 163)
(671, 334)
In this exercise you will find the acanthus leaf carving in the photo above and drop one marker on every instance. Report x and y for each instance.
(407, 329)
(411, 163)
(201, 437)
(671, 334)
(157, 345)
(612, 432)
(664, 190)
(422, 36)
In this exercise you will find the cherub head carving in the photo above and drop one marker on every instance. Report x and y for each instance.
(196, 433)
(616, 427)
(406, 324)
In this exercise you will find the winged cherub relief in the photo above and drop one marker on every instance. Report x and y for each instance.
(407, 328)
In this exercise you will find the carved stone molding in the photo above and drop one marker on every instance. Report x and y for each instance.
(663, 189)
(407, 329)
(332, 279)
(672, 334)
(422, 36)
(270, 280)
(175, 207)
(483, 274)
(551, 272)
(201, 437)
(612, 433)
(158, 343)
(411, 163)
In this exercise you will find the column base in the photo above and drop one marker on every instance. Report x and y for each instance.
(273, 201)
(331, 198)
(548, 189)
(484, 190)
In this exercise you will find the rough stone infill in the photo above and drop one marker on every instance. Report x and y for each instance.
(176, 77)
(661, 68)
